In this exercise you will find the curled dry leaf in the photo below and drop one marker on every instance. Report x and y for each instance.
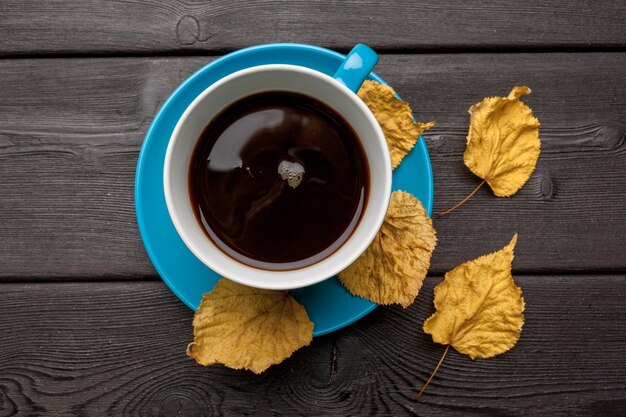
(248, 328)
(479, 307)
(392, 269)
(503, 142)
(394, 117)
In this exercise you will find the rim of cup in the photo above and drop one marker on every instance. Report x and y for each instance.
(286, 279)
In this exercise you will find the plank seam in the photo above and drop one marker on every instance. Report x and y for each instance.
(435, 50)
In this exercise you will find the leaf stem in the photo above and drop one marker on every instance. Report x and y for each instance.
(433, 374)
(461, 203)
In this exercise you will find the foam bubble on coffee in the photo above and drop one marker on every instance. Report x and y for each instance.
(292, 172)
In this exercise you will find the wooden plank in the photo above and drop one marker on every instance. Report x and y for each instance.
(164, 26)
(119, 349)
(70, 131)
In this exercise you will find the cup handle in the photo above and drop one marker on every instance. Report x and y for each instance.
(356, 67)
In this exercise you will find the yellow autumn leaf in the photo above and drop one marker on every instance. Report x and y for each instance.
(503, 142)
(394, 117)
(248, 328)
(479, 307)
(392, 269)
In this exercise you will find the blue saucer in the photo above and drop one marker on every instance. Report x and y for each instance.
(328, 304)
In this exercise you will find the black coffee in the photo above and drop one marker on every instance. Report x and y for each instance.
(278, 180)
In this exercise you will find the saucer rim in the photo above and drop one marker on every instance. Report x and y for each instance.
(164, 107)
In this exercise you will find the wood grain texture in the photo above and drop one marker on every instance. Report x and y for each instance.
(164, 26)
(71, 129)
(119, 349)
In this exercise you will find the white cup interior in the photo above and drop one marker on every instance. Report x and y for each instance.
(276, 77)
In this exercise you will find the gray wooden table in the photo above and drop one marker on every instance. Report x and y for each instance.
(87, 327)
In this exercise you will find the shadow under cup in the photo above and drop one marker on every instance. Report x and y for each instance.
(256, 80)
